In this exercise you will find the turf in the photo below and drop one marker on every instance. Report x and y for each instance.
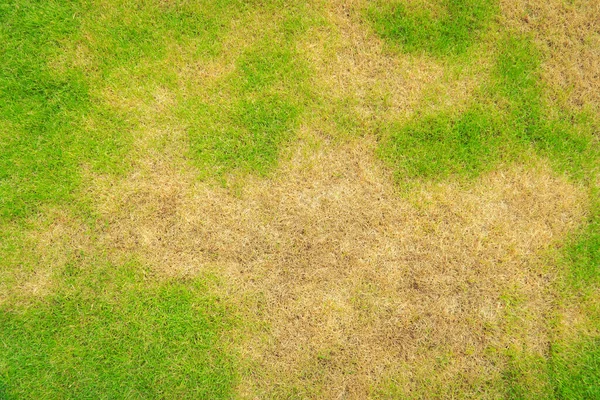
(444, 28)
(108, 334)
(508, 117)
(126, 270)
(44, 112)
(517, 120)
(258, 119)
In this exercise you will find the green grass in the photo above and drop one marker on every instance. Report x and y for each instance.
(111, 333)
(250, 141)
(45, 138)
(507, 120)
(451, 28)
(575, 370)
(441, 145)
(267, 95)
(257, 120)
(584, 253)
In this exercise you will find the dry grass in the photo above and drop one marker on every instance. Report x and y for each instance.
(355, 71)
(569, 34)
(50, 243)
(356, 284)
(350, 290)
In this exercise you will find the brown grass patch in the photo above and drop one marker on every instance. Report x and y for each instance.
(357, 285)
(569, 34)
(355, 71)
(53, 239)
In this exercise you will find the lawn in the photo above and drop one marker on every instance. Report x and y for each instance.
(299, 199)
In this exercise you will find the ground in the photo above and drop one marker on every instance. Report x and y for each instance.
(300, 199)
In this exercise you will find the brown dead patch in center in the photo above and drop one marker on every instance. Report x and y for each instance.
(357, 284)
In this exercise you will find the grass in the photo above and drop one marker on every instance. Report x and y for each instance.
(44, 113)
(124, 272)
(509, 117)
(443, 28)
(583, 253)
(575, 370)
(259, 119)
(441, 145)
(502, 130)
(108, 332)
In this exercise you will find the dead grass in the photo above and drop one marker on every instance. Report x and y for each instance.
(350, 290)
(357, 73)
(356, 285)
(569, 34)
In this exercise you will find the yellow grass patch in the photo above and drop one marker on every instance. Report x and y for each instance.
(569, 34)
(356, 72)
(356, 285)
(45, 249)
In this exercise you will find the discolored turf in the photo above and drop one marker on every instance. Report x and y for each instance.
(269, 199)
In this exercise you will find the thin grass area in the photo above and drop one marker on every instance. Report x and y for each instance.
(567, 34)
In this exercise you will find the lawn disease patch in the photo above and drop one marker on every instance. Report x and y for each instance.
(290, 199)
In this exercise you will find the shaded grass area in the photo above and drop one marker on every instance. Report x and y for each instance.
(110, 333)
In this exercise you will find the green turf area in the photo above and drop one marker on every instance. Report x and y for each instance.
(46, 131)
(265, 101)
(110, 333)
(508, 118)
(448, 27)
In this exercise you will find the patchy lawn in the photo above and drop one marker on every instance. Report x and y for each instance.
(299, 199)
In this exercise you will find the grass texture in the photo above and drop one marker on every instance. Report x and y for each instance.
(195, 203)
